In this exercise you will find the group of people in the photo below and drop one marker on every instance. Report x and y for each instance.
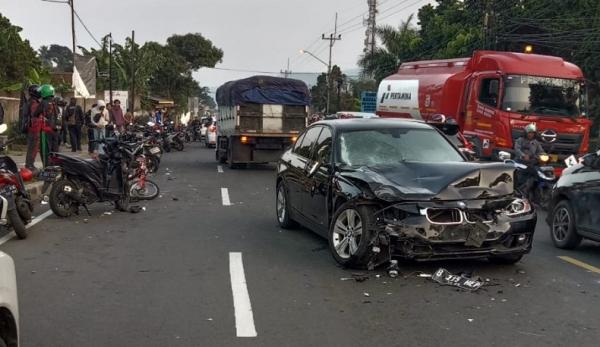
(48, 121)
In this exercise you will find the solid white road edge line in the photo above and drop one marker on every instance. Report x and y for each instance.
(244, 320)
(219, 169)
(34, 221)
(225, 197)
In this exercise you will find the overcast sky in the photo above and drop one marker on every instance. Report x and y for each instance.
(254, 34)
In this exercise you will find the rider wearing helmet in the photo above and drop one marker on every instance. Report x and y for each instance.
(528, 148)
(46, 115)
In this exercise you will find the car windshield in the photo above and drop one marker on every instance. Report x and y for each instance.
(389, 146)
(543, 96)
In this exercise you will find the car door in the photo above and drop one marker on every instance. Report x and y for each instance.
(585, 190)
(296, 172)
(318, 184)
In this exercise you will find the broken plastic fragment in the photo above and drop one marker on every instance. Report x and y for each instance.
(393, 270)
(366, 294)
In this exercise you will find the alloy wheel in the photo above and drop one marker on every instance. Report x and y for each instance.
(560, 224)
(347, 233)
(281, 204)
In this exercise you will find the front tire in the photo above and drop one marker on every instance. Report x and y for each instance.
(563, 231)
(60, 203)
(350, 235)
(17, 223)
(282, 208)
(149, 192)
(179, 146)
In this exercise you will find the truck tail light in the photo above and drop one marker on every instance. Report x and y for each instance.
(294, 139)
(244, 139)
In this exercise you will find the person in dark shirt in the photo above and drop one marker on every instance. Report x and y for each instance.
(74, 121)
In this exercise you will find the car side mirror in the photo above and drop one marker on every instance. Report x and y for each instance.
(503, 155)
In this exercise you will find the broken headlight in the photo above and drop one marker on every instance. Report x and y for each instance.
(518, 206)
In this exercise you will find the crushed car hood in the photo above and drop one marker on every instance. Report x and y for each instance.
(427, 181)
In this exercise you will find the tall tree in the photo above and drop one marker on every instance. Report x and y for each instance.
(57, 57)
(18, 61)
(398, 45)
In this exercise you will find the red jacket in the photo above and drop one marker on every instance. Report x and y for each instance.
(38, 123)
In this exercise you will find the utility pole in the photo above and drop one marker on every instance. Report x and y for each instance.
(110, 89)
(287, 71)
(132, 96)
(371, 28)
(333, 37)
(73, 29)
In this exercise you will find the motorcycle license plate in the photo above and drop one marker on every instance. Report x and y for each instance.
(48, 175)
(154, 150)
(8, 191)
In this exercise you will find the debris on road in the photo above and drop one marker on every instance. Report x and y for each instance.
(358, 277)
(470, 320)
(463, 281)
(393, 270)
(107, 213)
(175, 198)
(135, 209)
(424, 275)
(366, 294)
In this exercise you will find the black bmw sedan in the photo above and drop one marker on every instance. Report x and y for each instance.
(381, 188)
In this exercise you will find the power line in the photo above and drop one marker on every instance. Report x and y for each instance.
(86, 29)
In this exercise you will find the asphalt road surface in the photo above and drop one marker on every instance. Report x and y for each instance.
(194, 269)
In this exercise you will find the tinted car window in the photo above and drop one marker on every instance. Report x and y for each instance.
(309, 139)
(298, 143)
(322, 150)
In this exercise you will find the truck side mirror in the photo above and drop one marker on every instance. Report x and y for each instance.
(504, 155)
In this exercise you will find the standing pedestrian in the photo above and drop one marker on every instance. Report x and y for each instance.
(31, 124)
(61, 123)
(158, 117)
(128, 117)
(51, 125)
(100, 119)
(117, 115)
(74, 120)
(39, 134)
(90, 129)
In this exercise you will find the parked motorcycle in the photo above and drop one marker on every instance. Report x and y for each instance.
(80, 182)
(16, 203)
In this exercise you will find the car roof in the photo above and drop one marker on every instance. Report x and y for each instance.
(374, 123)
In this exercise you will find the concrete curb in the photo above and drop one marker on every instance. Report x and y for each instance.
(35, 190)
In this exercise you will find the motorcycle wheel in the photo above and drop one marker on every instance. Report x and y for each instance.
(167, 148)
(60, 203)
(24, 208)
(179, 146)
(149, 192)
(17, 223)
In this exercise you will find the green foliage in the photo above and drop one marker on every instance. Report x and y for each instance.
(18, 61)
(195, 50)
(57, 57)
(160, 70)
(345, 102)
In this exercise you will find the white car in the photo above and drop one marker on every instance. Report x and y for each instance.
(9, 306)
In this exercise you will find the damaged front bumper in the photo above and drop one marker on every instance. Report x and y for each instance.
(455, 229)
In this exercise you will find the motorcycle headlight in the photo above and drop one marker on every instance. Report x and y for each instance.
(518, 206)
(544, 158)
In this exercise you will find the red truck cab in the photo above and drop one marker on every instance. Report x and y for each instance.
(492, 96)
